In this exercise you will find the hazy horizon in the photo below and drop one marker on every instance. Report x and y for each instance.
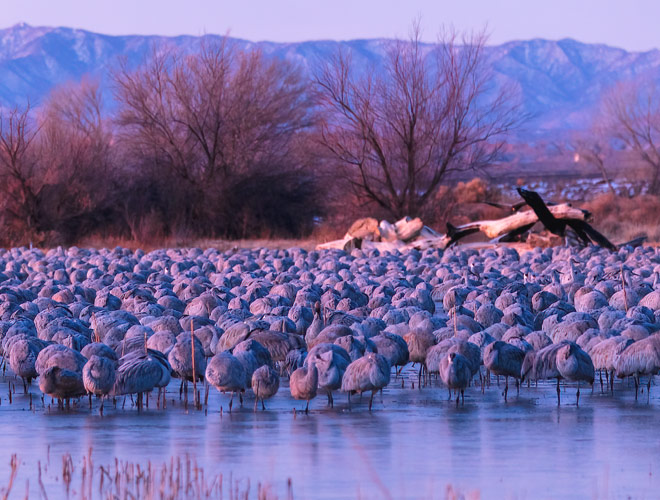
(631, 27)
(232, 35)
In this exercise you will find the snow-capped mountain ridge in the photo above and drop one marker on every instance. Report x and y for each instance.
(561, 81)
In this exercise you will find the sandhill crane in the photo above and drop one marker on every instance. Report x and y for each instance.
(455, 374)
(393, 347)
(99, 375)
(564, 360)
(317, 325)
(502, 358)
(22, 358)
(60, 356)
(137, 373)
(303, 383)
(331, 362)
(99, 349)
(368, 373)
(61, 383)
(575, 365)
(640, 358)
(180, 359)
(226, 374)
(543, 365)
(605, 355)
(265, 384)
(419, 342)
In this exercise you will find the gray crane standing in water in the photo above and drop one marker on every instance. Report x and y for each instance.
(226, 373)
(331, 362)
(564, 360)
(605, 355)
(501, 358)
(22, 358)
(303, 383)
(138, 374)
(99, 375)
(455, 374)
(368, 373)
(640, 358)
(575, 365)
(419, 343)
(62, 384)
(265, 384)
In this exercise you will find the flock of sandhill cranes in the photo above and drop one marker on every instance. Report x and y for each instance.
(109, 323)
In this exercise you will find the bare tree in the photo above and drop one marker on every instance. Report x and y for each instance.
(593, 148)
(398, 131)
(20, 179)
(210, 117)
(75, 155)
(632, 110)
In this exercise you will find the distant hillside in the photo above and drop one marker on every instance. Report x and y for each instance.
(561, 81)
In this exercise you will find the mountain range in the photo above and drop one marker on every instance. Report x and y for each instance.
(560, 81)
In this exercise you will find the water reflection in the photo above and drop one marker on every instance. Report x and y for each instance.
(412, 445)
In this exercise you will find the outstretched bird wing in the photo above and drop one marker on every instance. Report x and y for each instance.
(588, 234)
(541, 210)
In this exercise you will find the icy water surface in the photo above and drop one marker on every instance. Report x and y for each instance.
(414, 444)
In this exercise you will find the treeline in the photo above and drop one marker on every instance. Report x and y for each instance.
(233, 144)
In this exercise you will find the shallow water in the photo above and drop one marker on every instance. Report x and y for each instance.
(414, 444)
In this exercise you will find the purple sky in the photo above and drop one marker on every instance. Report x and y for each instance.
(631, 24)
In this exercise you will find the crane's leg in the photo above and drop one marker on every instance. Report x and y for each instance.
(263, 406)
(307, 408)
(517, 387)
(612, 380)
(256, 400)
(371, 399)
(558, 394)
(462, 397)
(648, 390)
(419, 376)
(90, 400)
(600, 375)
(231, 401)
(506, 387)
(449, 398)
(636, 377)
(577, 399)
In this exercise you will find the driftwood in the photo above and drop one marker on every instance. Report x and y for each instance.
(495, 228)
(409, 233)
(365, 229)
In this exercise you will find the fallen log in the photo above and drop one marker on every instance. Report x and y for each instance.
(408, 233)
(495, 228)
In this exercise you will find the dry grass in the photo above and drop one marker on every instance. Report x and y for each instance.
(177, 479)
(619, 218)
(222, 245)
(622, 219)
